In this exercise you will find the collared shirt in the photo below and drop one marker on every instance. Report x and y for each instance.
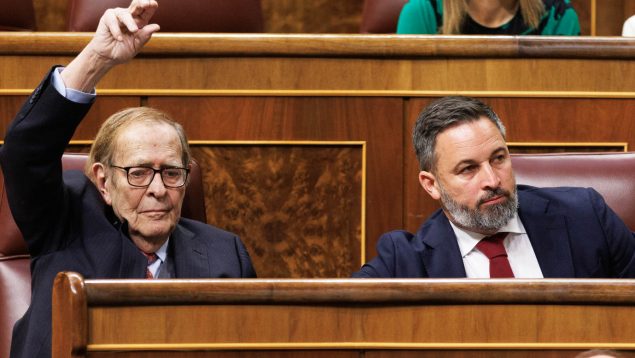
(69, 93)
(520, 253)
(162, 255)
(628, 29)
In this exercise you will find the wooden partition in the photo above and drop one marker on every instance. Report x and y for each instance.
(304, 140)
(339, 317)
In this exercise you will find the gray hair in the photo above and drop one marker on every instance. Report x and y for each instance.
(442, 114)
(104, 145)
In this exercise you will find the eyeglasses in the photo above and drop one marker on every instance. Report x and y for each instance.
(141, 177)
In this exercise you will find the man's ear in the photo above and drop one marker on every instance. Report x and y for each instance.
(189, 166)
(101, 181)
(429, 183)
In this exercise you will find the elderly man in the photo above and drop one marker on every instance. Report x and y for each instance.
(487, 225)
(121, 219)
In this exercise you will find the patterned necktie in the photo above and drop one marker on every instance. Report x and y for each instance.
(152, 257)
(493, 248)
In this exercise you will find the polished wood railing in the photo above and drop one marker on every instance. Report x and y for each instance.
(340, 316)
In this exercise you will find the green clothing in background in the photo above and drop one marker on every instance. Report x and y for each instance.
(426, 17)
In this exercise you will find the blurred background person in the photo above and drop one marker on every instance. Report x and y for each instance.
(489, 17)
(629, 27)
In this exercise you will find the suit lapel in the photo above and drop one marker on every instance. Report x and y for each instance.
(548, 235)
(132, 263)
(190, 255)
(441, 254)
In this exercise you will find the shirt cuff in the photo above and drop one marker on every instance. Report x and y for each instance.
(69, 93)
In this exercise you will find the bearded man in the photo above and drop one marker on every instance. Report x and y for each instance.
(489, 227)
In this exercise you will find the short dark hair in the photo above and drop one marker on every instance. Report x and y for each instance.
(442, 114)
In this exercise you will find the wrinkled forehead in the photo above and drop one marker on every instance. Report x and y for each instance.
(147, 141)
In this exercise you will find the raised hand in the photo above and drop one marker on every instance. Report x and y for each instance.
(122, 32)
(120, 36)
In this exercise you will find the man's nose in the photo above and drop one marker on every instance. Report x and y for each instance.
(156, 185)
(489, 177)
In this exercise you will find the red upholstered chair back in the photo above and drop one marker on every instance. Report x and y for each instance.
(381, 16)
(611, 174)
(177, 15)
(17, 15)
(15, 275)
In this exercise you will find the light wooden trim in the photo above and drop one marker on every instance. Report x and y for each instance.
(382, 46)
(255, 142)
(356, 345)
(279, 142)
(363, 207)
(594, 17)
(337, 93)
(138, 92)
(622, 145)
(367, 291)
(70, 314)
(87, 142)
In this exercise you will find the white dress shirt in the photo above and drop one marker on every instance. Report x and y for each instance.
(520, 253)
(629, 27)
(69, 93)
(162, 255)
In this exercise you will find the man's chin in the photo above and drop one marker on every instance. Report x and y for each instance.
(155, 231)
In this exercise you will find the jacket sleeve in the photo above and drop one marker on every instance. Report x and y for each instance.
(396, 258)
(246, 267)
(31, 164)
(620, 240)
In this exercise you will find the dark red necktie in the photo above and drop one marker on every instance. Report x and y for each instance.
(152, 257)
(493, 248)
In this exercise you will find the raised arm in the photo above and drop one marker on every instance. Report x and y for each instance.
(120, 35)
(36, 139)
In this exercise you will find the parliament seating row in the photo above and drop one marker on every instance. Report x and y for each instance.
(378, 16)
(172, 16)
(369, 318)
(369, 16)
(609, 173)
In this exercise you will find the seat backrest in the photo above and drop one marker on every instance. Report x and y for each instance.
(17, 15)
(381, 16)
(177, 15)
(611, 174)
(15, 274)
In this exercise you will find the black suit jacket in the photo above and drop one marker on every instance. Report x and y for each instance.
(573, 232)
(68, 227)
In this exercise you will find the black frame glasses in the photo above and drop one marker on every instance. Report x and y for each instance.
(140, 177)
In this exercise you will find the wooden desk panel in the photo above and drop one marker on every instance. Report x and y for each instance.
(375, 316)
(342, 324)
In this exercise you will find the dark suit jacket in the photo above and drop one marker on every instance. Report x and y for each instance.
(572, 231)
(68, 227)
